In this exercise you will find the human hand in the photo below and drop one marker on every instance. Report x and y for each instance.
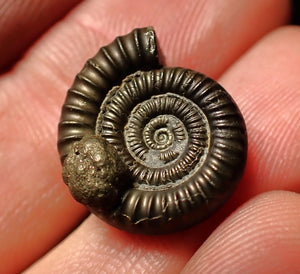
(217, 38)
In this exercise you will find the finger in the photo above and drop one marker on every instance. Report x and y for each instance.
(25, 21)
(215, 35)
(260, 237)
(268, 95)
(177, 248)
(95, 246)
(33, 94)
(262, 232)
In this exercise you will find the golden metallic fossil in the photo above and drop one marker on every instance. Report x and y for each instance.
(149, 149)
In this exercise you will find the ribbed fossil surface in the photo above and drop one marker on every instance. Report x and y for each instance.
(174, 139)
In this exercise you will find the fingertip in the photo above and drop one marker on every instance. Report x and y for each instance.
(264, 83)
(263, 236)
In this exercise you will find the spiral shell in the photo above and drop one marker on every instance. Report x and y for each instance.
(178, 136)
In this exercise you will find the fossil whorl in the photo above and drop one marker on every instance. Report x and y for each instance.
(125, 55)
(162, 149)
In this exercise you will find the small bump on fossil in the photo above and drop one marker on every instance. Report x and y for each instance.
(92, 172)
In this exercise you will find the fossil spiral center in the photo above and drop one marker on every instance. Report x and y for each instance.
(160, 142)
(162, 138)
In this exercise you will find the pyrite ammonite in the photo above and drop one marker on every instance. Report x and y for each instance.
(149, 149)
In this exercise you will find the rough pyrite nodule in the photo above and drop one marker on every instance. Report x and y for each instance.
(149, 149)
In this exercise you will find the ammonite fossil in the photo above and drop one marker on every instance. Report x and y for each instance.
(149, 149)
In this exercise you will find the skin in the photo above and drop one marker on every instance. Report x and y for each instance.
(245, 45)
